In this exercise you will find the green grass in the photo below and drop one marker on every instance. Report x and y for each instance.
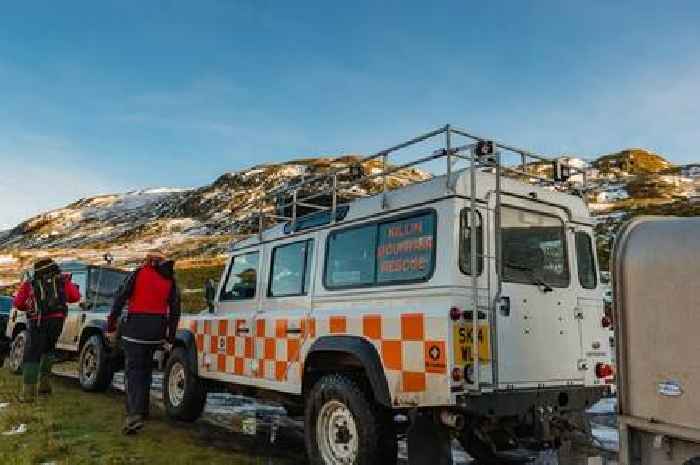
(74, 428)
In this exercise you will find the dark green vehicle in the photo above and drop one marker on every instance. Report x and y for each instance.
(83, 331)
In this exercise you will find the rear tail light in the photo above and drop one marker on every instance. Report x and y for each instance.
(457, 374)
(455, 313)
(604, 370)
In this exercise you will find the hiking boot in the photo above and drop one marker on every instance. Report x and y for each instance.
(28, 393)
(133, 424)
(45, 385)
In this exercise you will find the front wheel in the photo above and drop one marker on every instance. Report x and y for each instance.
(16, 358)
(343, 426)
(183, 393)
(95, 369)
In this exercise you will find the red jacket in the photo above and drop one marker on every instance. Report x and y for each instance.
(24, 300)
(148, 291)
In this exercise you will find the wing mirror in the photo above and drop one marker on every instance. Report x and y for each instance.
(210, 293)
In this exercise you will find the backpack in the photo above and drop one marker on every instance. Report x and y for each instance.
(49, 291)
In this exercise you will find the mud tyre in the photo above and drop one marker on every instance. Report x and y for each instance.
(95, 367)
(183, 393)
(15, 359)
(344, 426)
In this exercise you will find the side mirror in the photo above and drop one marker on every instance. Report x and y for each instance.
(210, 293)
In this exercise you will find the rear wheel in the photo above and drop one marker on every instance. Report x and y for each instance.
(16, 358)
(344, 426)
(95, 369)
(183, 393)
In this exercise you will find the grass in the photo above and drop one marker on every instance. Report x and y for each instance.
(74, 428)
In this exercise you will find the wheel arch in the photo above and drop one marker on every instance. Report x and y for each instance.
(91, 328)
(342, 353)
(186, 340)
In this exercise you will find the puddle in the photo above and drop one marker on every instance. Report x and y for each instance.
(227, 413)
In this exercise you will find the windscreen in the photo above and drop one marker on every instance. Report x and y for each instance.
(104, 284)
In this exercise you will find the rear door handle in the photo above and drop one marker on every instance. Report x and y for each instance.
(504, 306)
(242, 330)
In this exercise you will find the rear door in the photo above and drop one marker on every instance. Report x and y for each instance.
(71, 327)
(538, 333)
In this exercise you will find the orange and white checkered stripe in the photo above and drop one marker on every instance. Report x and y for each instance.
(412, 348)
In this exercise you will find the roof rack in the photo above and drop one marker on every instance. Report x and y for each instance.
(290, 199)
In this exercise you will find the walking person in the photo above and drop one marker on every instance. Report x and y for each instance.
(44, 297)
(152, 299)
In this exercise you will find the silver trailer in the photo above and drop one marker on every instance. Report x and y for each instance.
(657, 301)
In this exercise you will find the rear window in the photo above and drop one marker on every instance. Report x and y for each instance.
(585, 261)
(534, 248)
(242, 278)
(390, 252)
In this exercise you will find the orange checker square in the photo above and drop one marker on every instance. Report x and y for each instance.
(310, 327)
(280, 328)
(221, 363)
(207, 327)
(238, 366)
(391, 355)
(412, 327)
(337, 324)
(213, 344)
(292, 350)
(260, 328)
(200, 342)
(223, 327)
(280, 371)
(193, 326)
(230, 345)
(261, 369)
(248, 347)
(412, 381)
(435, 357)
(270, 348)
(372, 326)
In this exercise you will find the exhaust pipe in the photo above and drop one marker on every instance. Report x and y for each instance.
(452, 420)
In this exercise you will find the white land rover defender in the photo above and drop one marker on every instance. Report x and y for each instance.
(359, 311)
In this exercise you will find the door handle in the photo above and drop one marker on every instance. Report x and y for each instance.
(504, 306)
(242, 330)
(293, 330)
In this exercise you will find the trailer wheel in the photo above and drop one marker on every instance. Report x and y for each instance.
(183, 393)
(16, 358)
(343, 426)
(95, 370)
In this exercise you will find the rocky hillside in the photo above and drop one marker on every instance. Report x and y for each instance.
(196, 224)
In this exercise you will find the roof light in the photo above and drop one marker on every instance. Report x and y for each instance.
(604, 370)
(455, 313)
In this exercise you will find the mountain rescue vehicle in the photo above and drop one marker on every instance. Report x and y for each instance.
(470, 303)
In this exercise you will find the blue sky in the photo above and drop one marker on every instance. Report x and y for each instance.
(109, 96)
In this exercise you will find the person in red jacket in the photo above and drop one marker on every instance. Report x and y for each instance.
(44, 297)
(153, 312)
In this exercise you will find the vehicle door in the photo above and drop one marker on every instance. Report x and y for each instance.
(595, 327)
(537, 323)
(71, 326)
(227, 338)
(286, 304)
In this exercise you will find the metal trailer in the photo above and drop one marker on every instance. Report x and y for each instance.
(656, 268)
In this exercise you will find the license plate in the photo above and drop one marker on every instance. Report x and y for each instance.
(464, 343)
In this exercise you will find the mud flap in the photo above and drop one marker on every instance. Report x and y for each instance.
(429, 442)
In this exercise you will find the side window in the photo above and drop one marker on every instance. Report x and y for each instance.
(390, 252)
(80, 280)
(242, 278)
(289, 271)
(350, 258)
(405, 249)
(534, 248)
(585, 261)
(465, 244)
